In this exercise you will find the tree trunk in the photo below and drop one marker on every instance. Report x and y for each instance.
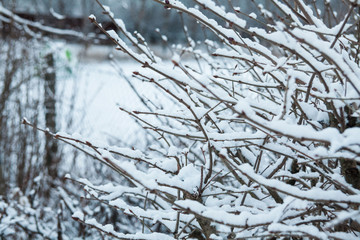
(51, 147)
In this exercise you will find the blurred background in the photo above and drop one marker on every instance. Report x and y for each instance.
(143, 16)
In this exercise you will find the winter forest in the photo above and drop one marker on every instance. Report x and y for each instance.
(180, 119)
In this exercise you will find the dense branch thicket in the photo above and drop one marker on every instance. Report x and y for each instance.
(258, 136)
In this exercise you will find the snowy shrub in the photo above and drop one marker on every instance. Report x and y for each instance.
(258, 136)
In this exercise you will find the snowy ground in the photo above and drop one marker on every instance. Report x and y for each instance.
(99, 90)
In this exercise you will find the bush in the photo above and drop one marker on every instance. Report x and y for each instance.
(258, 136)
